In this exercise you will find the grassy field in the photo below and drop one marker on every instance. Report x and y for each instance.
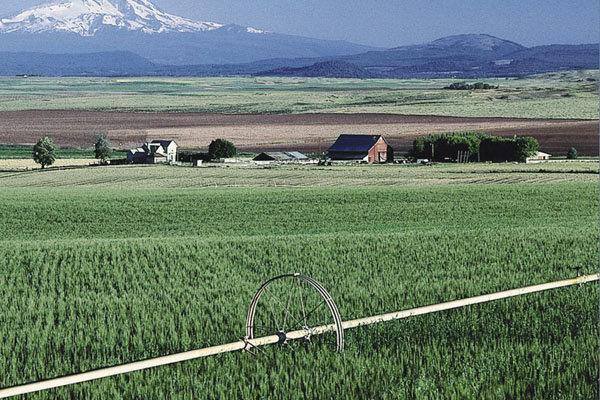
(108, 265)
(568, 95)
(157, 177)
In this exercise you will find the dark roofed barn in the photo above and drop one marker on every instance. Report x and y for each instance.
(361, 148)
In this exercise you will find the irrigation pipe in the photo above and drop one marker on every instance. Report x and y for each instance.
(269, 340)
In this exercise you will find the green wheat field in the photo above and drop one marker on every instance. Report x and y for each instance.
(109, 265)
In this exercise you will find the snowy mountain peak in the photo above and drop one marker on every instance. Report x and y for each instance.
(87, 17)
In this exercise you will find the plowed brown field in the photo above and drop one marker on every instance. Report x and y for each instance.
(308, 132)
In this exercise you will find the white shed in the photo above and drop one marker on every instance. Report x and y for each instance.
(538, 158)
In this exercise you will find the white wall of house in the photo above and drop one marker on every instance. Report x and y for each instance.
(171, 152)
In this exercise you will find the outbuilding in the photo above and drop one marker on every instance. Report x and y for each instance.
(372, 149)
(282, 157)
(136, 156)
(538, 157)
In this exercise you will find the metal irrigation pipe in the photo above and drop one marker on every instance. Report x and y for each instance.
(269, 340)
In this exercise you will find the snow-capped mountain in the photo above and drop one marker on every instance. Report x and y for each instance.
(140, 27)
(87, 17)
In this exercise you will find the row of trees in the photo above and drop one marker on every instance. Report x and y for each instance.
(470, 86)
(480, 147)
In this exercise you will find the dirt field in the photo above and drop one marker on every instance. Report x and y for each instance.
(307, 132)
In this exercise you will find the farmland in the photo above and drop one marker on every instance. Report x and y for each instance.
(308, 132)
(560, 110)
(566, 95)
(95, 275)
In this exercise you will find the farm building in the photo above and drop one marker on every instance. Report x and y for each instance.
(361, 148)
(155, 152)
(282, 156)
(538, 157)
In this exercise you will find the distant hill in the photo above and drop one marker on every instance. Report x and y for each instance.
(465, 50)
(528, 61)
(565, 56)
(461, 56)
(326, 69)
(474, 56)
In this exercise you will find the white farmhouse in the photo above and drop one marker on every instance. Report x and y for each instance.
(154, 152)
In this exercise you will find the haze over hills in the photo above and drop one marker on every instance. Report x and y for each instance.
(134, 37)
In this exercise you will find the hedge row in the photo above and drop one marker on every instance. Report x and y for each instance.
(469, 86)
(481, 147)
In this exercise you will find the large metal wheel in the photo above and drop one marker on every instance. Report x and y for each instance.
(293, 303)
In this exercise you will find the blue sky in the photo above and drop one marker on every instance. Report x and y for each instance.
(391, 23)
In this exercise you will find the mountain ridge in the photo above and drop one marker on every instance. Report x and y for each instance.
(68, 37)
(528, 61)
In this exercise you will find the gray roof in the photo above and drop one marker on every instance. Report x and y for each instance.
(281, 156)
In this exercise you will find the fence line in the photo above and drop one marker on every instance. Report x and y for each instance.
(269, 340)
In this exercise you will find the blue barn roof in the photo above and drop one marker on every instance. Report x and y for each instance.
(354, 143)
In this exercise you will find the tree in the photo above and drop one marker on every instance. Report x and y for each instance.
(525, 147)
(102, 149)
(43, 152)
(572, 154)
(221, 148)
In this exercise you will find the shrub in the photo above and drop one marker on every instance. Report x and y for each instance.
(572, 154)
(221, 148)
(43, 152)
(102, 149)
(192, 156)
(525, 146)
(500, 149)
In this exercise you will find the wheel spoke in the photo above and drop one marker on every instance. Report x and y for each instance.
(286, 310)
(311, 312)
(302, 302)
(272, 307)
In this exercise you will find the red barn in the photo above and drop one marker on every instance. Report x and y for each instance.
(361, 148)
